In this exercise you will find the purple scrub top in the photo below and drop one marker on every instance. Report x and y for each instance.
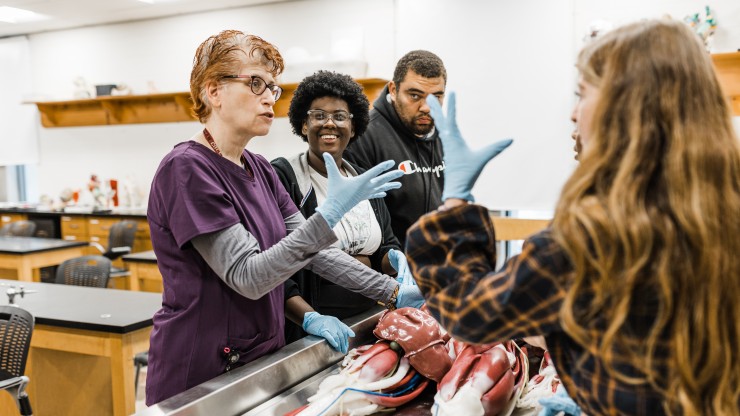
(194, 192)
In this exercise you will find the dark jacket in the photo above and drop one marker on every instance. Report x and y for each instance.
(324, 296)
(387, 138)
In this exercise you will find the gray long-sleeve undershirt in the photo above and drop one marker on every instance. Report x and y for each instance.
(234, 254)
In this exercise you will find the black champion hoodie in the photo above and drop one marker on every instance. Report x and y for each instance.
(387, 138)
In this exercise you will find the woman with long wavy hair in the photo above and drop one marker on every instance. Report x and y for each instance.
(636, 284)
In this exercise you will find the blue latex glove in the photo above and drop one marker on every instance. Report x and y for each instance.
(398, 261)
(344, 193)
(462, 165)
(334, 331)
(409, 295)
(560, 402)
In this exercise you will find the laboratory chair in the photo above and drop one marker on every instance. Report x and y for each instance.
(120, 241)
(46, 228)
(16, 327)
(91, 271)
(140, 360)
(22, 228)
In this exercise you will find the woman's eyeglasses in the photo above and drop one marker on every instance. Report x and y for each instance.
(322, 117)
(258, 85)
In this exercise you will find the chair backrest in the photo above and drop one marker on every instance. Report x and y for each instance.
(92, 271)
(5, 230)
(21, 228)
(16, 327)
(47, 228)
(122, 234)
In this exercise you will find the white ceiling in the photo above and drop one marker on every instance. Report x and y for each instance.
(65, 14)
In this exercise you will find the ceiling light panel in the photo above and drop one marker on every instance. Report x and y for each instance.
(15, 15)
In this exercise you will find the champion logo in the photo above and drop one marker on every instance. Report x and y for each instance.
(408, 167)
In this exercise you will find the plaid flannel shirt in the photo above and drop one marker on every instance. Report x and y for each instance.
(452, 255)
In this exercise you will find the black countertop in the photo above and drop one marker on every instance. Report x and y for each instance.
(141, 257)
(28, 245)
(115, 212)
(94, 309)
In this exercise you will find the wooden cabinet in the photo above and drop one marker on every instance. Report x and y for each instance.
(152, 108)
(74, 228)
(96, 229)
(727, 66)
(143, 241)
(8, 218)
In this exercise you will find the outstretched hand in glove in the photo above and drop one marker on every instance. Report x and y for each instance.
(462, 165)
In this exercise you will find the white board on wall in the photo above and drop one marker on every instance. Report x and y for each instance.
(18, 131)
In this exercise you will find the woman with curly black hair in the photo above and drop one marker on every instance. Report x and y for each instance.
(328, 110)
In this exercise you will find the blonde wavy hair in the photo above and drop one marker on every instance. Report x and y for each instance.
(223, 54)
(652, 213)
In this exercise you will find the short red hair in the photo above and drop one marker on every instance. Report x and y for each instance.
(219, 56)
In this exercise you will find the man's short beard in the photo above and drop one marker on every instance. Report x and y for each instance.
(421, 131)
(416, 130)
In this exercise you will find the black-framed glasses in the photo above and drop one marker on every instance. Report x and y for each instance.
(259, 85)
(340, 117)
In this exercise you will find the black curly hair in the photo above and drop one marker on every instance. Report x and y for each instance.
(422, 62)
(329, 84)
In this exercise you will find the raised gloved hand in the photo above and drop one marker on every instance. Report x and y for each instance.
(462, 165)
(344, 193)
(334, 331)
(560, 402)
(409, 295)
(398, 261)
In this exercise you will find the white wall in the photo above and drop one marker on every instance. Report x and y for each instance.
(161, 51)
(18, 125)
(511, 64)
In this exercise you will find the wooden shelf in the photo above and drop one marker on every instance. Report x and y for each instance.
(728, 71)
(152, 108)
(128, 109)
